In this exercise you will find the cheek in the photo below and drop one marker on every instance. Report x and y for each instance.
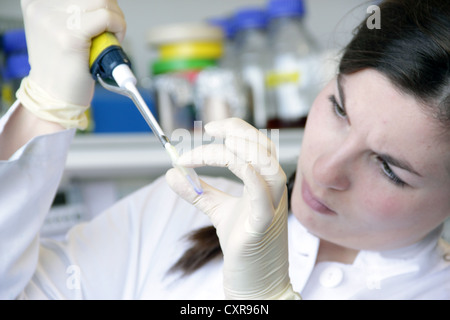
(316, 131)
(381, 207)
(389, 209)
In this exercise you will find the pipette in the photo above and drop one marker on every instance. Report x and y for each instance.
(109, 62)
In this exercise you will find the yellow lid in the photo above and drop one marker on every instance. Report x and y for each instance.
(183, 32)
(196, 50)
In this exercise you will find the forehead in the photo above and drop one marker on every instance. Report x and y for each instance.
(393, 122)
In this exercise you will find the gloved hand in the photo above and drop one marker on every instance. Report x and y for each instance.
(252, 229)
(59, 87)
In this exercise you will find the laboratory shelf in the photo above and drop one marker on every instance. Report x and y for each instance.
(95, 156)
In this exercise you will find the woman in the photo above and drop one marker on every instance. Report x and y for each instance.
(368, 202)
(363, 182)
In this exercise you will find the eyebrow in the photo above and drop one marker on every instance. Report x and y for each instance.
(399, 163)
(402, 164)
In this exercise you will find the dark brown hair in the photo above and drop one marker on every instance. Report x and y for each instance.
(411, 48)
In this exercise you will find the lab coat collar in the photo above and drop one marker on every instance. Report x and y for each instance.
(375, 266)
(303, 248)
(413, 259)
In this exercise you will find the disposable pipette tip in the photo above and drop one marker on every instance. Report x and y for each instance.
(189, 173)
(195, 182)
(126, 80)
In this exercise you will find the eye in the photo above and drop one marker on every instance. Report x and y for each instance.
(387, 172)
(338, 110)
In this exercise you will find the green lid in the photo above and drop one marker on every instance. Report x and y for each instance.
(173, 65)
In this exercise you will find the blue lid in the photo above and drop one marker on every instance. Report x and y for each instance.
(226, 24)
(14, 41)
(250, 18)
(285, 8)
(16, 66)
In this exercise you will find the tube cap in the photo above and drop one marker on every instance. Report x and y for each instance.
(165, 66)
(191, 50)
(16, 66)
(183, 32)
(285, 8)
(249, 18)
(226, 24)
(14, 41)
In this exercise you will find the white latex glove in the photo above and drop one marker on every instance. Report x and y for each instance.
(59, 87)
(252, 229)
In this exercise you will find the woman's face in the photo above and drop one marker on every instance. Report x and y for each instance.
(374, 170)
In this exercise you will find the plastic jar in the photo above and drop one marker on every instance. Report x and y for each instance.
(293, 72)
(182, 51)
(251, 47)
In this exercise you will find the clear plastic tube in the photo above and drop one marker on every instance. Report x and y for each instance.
(189, 173)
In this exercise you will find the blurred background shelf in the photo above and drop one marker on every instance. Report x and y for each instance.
(112, 156)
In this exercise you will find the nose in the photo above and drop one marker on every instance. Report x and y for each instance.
(332, 170)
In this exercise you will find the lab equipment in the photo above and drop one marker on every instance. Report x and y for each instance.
(219, 94)
(251, 47)
(293, 69)
(228, 60)
(109, 62)
(219, 91)
(14, 65)
(13, 41)
(182, 50)
(197, 49)
(174, 99)
(107, 107)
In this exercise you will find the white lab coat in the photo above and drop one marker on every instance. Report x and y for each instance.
(126, 252)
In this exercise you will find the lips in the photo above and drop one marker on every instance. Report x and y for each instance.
(314, 203)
